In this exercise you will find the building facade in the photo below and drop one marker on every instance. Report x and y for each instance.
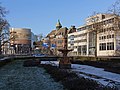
(57, 38)
(78, 42)
(100, 36)
(20, 40)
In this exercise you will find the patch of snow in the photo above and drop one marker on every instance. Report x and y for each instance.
(98, 74)
(96, 71)
(53, 63)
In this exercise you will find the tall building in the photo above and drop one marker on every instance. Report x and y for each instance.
(78, 42)
(57, 38)
(100, 36)
(20, 40)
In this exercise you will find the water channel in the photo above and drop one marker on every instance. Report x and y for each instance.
(16, 77)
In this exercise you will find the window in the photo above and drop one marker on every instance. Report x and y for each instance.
(112, 35)
(84, 49)
(79, 29)
(103, 16)
(75, 46)
(71, 37)
(102, 46)
(112, 28)
(108, 36)
(104, 37)
(79, 50)
(110, 46)
(60, 41)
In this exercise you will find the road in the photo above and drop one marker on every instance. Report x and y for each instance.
(16, 77)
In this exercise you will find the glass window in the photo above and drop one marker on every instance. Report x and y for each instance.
(104, 37)
(84, 49)
(79, 50)
(110, 46)
(102, 46)
(112, 35)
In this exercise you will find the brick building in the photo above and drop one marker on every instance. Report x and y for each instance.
(56, 38)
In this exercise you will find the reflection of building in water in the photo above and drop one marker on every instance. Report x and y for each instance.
(20, 40)
(100, 36)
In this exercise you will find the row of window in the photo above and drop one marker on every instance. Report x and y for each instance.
(108, 21)
(80, 35)
(106, 46)
(100, 31)
(97, 24)
(83, 40)
(82, 50)
(106, 37)
(107, 29)
(71, 42)
(60, 41)
(71, 37)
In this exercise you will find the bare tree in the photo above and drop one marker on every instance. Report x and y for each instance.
(3, 22)
(115, 8)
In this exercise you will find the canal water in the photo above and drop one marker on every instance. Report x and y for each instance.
(16, 77)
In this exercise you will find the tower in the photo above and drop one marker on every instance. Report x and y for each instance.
(58, 25)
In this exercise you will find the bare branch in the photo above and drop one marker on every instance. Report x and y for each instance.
(115, 8)
(3, 11)
(3, 22)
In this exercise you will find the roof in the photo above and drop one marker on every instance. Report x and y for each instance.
(53, 32)
(62, 31)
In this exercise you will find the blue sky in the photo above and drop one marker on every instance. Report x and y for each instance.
(41, 16)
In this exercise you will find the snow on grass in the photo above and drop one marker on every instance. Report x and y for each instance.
(98, 74)
(16, 77)
(54, 63)
(96, 71)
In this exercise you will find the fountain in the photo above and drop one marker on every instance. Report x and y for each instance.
(65, 62)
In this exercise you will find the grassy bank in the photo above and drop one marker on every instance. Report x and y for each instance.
(10, 59)
(71, 81)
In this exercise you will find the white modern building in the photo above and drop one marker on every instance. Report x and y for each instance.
(100, 36)
(78, 42)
